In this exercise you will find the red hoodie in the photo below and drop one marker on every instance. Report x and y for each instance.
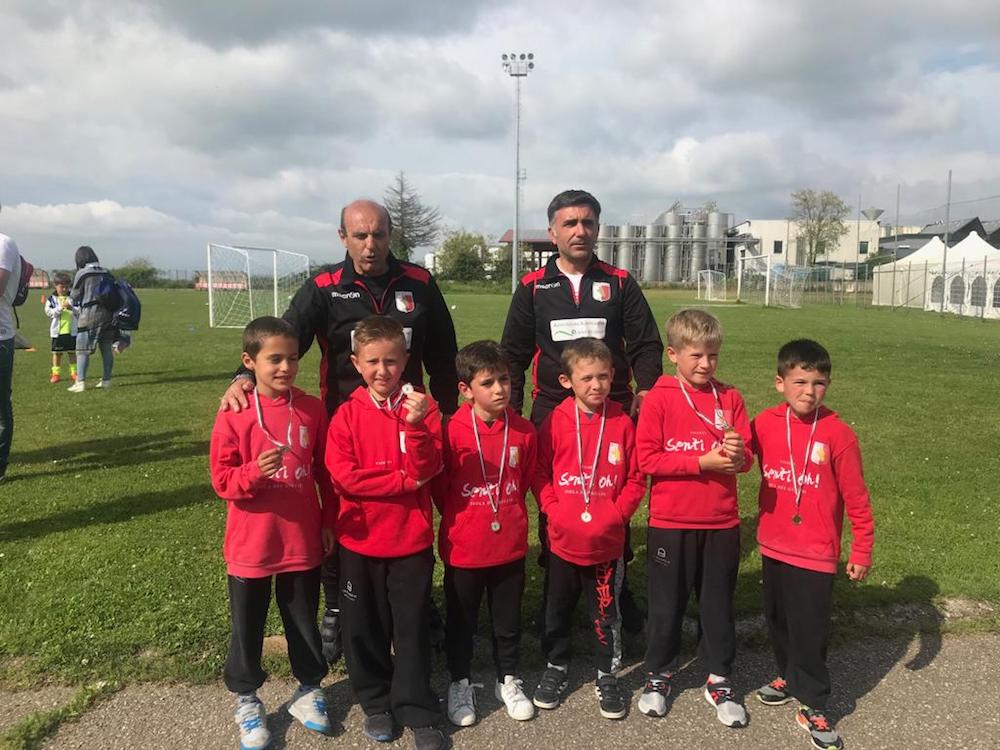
(465, 539)
(671, 438)
(617, 490)
(273, 523)
(832, 480)
(375, 458)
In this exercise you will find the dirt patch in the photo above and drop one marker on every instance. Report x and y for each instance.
(275, 645)
(19, 704)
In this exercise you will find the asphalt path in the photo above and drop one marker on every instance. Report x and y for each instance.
(926, 692)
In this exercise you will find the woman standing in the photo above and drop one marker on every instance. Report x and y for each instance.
(94, 328)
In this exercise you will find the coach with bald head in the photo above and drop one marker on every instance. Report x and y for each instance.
(370, 280)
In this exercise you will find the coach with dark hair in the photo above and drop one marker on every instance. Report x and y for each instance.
(370, 280)
(576, 295)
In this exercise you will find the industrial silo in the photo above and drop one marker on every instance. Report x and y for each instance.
(698, 246)
(625, 243)
(605, 242)
(651, 261)
(674, 238)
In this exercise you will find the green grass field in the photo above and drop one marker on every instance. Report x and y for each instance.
(110, 538)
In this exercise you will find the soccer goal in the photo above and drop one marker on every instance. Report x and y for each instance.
(712, 286)
(760, 282)
(244, 283)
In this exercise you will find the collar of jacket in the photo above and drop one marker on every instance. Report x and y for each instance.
(349, 275)
(552, 270)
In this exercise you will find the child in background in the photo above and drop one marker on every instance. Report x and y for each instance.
(810, 466)
(266, 462)
(588, 483)
(62, 329)
(384, 447)
(693, 439)
(489, 461)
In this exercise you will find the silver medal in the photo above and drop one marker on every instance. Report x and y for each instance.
(586, 517)
(495, 526)
(407, 389)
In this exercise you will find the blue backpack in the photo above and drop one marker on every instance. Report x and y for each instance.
(118, 296)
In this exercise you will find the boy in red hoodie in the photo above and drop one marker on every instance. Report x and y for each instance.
(588, 483)
(810, 466)
(693, 438)
(489, 461)
(384, 447)
(266, 462)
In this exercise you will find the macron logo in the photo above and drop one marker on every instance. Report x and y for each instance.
(550, 285)
(346, 295)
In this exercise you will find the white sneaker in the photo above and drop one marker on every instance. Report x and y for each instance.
(511, 692)
(721, 697)
(103, 384)
(77, 387)
(462, 703)
(308, 705)
(653, 701)
(252, 720)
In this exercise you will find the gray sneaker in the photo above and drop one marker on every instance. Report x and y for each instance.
(720, 696)
(653, 701)
(774, 693)
(821, 731)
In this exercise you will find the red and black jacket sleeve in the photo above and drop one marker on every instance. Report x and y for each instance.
(644, 348)
(518, 340)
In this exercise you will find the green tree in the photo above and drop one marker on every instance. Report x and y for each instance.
(139, 272)
(413, 224)
(820, 217)
(500, 270)
(461, 257)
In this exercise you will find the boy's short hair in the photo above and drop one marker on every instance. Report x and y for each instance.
(260, 329)
(61, 278)
(585, 348)
(804, 353)
(480, 356)
(691, 327)
(378, 328)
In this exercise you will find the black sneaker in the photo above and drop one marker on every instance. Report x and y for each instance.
(329, 633)
(821, 731)
(610, 697)
(550, 688)
(429, 738)
(380, 727)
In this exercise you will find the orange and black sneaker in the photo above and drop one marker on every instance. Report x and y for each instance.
(774, 693)
(822, 733)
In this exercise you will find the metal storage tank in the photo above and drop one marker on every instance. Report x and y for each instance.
(651, 263)
(716, 231)
(674, 236)
(698, 246)
(625, 247)
(605, 242)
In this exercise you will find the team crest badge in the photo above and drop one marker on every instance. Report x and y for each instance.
(514, 457)
(602, 291)
(614, 454)
(303, 436)
(819, 453)
(404, 302)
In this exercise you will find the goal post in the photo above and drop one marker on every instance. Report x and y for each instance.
(753, 279)
(712, 286)
(244, 283)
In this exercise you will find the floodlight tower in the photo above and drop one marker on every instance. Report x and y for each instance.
(517, 66)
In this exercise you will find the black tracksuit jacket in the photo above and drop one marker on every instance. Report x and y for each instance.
(544, 315)
(331, 303)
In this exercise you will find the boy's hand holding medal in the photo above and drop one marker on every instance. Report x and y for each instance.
(416, 404)
(270, 461)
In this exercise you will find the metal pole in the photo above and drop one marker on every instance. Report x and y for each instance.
(947, 221)
(515, 248)
(857, 252)
(274, 278)
(739, 276)
(961, 304)
(986, 292)
(895, 251)
(767, 281)
(211, 307)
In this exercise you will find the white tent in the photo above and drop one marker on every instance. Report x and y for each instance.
(969, 284)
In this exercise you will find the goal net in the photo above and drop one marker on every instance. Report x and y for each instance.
(761, 282)
(712, 286)
(244, 283)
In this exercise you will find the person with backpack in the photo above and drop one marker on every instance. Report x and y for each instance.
(96, 294)
(10, 273)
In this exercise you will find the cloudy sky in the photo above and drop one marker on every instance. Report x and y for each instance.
(151, 128)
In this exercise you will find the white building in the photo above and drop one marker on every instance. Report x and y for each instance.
(780, 237)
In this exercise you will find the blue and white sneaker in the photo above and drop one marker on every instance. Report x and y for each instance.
(251, 717)
(308, 705)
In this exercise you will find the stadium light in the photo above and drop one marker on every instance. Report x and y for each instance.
(517, 66)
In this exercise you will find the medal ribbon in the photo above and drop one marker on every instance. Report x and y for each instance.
(387, 405)
(482, 462)
(584, 487)
(702, 417)
(796, 484)
(267, 433)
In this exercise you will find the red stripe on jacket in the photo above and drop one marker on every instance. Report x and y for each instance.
(617, 490)
(465, 539)
(382, 511)
(832, 481)
(671, 438)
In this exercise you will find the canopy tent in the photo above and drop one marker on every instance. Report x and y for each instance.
(969, 284)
